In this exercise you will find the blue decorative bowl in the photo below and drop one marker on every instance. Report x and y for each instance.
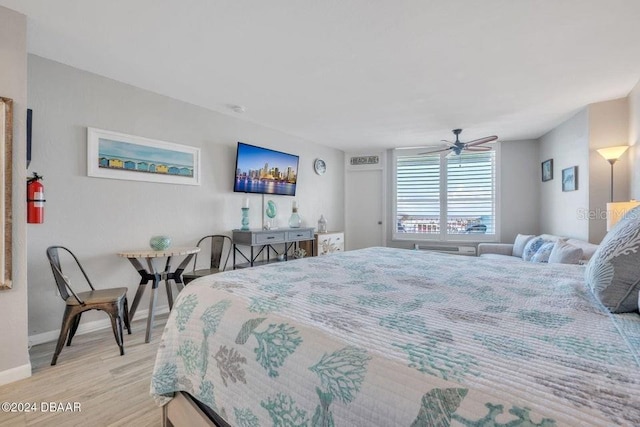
(160, 243)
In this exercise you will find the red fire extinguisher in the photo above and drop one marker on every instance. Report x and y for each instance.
(35, 200)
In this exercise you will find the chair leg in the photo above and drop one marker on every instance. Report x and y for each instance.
(116, 325)
(125, 315)
(74, 328)
(67, 319)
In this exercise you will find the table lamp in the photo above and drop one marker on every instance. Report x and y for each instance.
(615, 211)
(612, 154)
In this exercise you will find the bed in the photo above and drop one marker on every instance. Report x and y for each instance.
(393, 337)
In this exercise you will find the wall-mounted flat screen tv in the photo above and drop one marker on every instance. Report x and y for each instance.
(264, 171)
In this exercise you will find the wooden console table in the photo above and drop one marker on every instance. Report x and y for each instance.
(262, 241)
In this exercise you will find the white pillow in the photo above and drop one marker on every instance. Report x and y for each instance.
(565, 253)
(519, 244)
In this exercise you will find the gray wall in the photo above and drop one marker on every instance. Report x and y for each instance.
(567, 145)
(519, 194)
(634, 141)
(582, 214)
(97, 217)
(14, 356)
(608, 127)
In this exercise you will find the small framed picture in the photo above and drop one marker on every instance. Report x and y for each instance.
(570, 179)
(547, 170)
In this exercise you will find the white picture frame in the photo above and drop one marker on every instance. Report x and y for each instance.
(117, 155)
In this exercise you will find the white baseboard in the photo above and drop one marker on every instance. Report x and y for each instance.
(15, 374)
(87, 327)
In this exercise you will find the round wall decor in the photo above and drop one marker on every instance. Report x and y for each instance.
(319, 166)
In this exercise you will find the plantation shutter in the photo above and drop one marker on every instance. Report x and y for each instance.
(471, 188)
(465, 190)
(418, 193)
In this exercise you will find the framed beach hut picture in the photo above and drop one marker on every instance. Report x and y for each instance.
(120, 156)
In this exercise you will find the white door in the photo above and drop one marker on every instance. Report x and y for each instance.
(364, 209)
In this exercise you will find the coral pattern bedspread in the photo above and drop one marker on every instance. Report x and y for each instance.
(392, 337)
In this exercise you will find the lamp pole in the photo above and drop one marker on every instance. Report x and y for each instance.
(612, 161)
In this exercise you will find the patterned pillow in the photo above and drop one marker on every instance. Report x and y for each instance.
(565, 253)
(543, 254)
(613, 273)
(532, 247)
(519, 244)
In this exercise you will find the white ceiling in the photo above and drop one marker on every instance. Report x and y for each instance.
(357, 74)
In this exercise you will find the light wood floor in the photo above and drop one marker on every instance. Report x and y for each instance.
(112, 390)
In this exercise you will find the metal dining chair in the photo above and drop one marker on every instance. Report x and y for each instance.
(113, 301)
(220, 245)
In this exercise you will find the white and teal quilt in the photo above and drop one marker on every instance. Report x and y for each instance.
(392, 337)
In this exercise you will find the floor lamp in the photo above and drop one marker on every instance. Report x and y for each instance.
(612, 154)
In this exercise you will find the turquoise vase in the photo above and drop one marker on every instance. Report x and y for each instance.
(245, 219)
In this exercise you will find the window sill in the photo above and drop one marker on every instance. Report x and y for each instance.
(467, 238)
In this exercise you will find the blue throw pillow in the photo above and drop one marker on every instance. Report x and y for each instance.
(543, 254)
(532, 247)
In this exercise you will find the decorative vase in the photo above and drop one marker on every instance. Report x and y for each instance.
(322, 224)
(272, 209)
(295, 220)
(245, 219)
(160, 243)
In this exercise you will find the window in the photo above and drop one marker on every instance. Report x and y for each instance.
(440, 197)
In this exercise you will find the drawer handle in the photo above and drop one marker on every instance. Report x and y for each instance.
(299, 235)
(271, 237)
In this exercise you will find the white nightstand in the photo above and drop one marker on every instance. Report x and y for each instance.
(330, 242)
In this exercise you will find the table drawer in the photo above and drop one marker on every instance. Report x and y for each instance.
(269, 238)
(293, 236)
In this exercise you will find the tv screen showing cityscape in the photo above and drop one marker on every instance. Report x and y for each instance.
(264, 171)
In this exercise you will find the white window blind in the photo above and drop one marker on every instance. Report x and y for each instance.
(445, 196)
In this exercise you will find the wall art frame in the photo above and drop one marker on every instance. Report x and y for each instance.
(117, 155)
(6, 156)
(547, 170)
(570, 179)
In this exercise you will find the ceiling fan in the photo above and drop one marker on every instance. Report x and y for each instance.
(457, 146)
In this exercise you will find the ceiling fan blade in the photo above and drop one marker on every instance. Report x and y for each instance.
(435, 151)
(481, 141)
(477, 148)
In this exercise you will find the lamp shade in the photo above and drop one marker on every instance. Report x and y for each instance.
(615, 211)
(613, 153)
